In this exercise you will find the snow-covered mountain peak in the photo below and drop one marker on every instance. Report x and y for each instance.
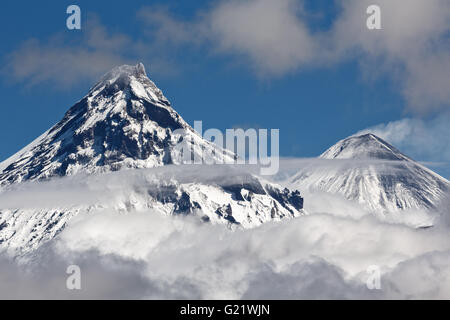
(375, 174)
(126, 70)
(123, 122)
(366, 146)
(128, 80)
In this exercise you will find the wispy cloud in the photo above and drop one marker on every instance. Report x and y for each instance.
(275, 38)
(65, 62)
(272, 38)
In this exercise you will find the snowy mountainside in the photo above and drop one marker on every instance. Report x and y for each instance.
(370, 171)
(125, 127)
(123, 122)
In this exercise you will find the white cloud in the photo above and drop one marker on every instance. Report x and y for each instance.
(266, 35)
(143, 254)
(268, 32)
(274, 38)
(427, 275)
(64, 62)
(154, 256)
(319, 256)
(412, 47)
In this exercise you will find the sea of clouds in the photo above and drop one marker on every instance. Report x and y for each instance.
(145, 255)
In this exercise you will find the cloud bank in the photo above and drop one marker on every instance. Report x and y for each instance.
(146, 255)
(141, 254)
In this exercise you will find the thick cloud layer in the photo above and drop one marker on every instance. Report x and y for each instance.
(143, 254)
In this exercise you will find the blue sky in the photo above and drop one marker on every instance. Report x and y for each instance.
(309, 68)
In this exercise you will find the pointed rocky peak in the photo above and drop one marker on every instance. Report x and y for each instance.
(366, 146)
(124, 122)
(126, 70)
(131, 81)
